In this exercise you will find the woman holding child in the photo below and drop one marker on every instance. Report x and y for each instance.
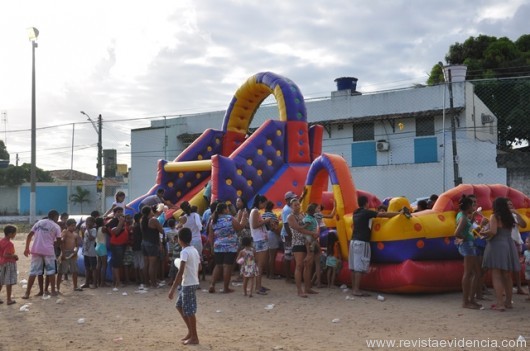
(501, 255)
(222, 232)
(259, 232)
(304, 262)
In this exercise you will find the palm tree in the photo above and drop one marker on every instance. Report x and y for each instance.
(82, 195)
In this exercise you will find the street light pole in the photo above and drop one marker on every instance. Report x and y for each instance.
(33, 34)
(99, 180)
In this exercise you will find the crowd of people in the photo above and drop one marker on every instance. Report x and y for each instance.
(153, 250)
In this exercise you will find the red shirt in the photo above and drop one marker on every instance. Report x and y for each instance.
(6, 247)
(120, 238)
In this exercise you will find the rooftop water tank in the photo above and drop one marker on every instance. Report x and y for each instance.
(345, 83)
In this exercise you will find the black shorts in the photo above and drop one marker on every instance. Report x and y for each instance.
(228, 258)
(150, 250)
(299, 248)
(117, 251)
(90, 262)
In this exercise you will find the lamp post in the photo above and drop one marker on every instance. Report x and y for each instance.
(33, 33)
(99, 180)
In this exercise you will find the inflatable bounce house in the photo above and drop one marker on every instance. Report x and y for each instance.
(409, 255)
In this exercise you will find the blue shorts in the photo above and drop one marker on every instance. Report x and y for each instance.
(261, 245)
(467, 248)
(187, 300)
(40, 264)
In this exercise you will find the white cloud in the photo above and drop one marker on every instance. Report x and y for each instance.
(137, 59)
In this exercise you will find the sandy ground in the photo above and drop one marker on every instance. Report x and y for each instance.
(99, 319)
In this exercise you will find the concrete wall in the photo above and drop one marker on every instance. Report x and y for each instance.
(9, 202)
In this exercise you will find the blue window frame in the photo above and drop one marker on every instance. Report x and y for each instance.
(363, 154)
(425, 150)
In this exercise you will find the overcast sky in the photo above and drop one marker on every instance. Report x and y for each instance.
(139, 59)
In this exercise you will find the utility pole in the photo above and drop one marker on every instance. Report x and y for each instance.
(99, 185)
(456, 171)
(99, 179)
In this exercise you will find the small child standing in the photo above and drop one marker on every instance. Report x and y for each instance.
(333, 258)
(8, 262)
(69, 240)
(187, 281)
(89, 253)
(101, 252)
(249, 269)
(172, 243)
(310, 223)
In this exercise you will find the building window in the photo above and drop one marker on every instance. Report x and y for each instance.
(363, 154)
(425, 126)
(425, 150)
(363, 131)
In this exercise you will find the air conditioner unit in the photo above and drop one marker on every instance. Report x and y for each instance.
(382, 146)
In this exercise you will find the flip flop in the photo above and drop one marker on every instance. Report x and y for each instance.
(361, 295)
(495, 308)
(211, 290)
(11, 302)
(78, 289)
(261, 292)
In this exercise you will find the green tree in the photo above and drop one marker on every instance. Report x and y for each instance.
(4, 155)
(80, 197)
(488, 57)
(16, 175)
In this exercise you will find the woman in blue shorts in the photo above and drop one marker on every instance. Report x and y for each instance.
(466, 248)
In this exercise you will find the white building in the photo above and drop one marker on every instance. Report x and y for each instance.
(393, 141)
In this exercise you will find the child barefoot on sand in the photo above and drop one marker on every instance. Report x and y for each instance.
(187, 281)
(8, 262)
(69, 240)
(249, 269)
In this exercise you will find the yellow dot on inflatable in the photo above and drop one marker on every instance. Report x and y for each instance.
(217, 140)
(188, 184)
(229, 181)
(198, 175)
(278, 132)
(239, 193)
(260, 152)
(249, 162)
(181, 175)
(260, 172)
(239, 171)
(179, 193)
(199, 157)
(269, 162)
(170, 184)
(249, 182)
(269, 142)
(278, 153)
(209, 148)
(401, 126)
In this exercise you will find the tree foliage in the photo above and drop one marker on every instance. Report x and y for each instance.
(17, 175)
(490, 61)
(4, 155)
